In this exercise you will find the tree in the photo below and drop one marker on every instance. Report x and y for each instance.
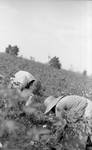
(12, 50)
(85, 73)
(8, 49)
(54, 62)
(32, 58)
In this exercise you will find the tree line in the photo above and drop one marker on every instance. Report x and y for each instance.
(53, 62)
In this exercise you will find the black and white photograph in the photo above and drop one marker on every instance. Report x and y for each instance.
(45, 75)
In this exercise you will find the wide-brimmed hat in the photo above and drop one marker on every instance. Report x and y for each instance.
(50, 102)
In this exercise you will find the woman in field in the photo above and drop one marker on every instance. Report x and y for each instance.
(72, 109)
(23, 81)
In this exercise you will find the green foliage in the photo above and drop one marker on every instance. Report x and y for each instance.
(23, 130)
(54, 62)
(12, 50)
(56, 82)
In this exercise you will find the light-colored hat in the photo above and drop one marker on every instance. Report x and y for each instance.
(50, 102)
(21, 79)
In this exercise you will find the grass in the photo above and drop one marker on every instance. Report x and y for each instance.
(28, 128)
(55, 82)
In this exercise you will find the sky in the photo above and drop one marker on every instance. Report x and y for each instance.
(42, 28)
